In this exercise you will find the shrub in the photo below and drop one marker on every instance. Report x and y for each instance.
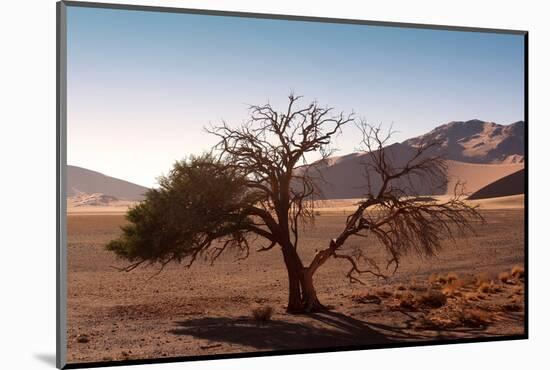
(473, 296)
(436, 323)
(82, 338)
(474, 318)
(518, 272)
(484, 288)
(365, 297)
(406, 301)
(511, 307)
(451, 291)
(452, 287)
(452, 277)
(482, 278)
(433, 299)
(504, 277)
(487, 287)
(383, 293)
(262, 313)
(518, 290)
(413, 285)
(433, 279)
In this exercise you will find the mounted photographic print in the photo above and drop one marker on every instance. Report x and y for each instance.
(235, 184)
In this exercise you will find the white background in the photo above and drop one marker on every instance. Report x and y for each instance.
(27, 197)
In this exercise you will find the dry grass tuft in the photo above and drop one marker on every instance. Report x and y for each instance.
(435, 323)
(512, 307)
(415, 286)
(482, 278)
(518, 290)
(474, 317)
(433, 279)
(407, 302)
(365, 297)
(451, 291)
(383, 293)
(518, 272)
(489, 287)
(473, 296)
(452, 277)
(262, 313)
(484, 288)
(83, 338)
(405, 299)
(504, 277)
(432, 298)
(452, 288)
(469, 280)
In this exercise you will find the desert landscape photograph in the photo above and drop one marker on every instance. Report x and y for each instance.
(237, 185)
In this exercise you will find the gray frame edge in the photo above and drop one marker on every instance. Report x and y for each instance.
(286, 17)
(61, 191)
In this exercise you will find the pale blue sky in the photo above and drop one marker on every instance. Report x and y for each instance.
(142, 85)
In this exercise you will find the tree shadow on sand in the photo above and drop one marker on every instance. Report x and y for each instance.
(328, 329)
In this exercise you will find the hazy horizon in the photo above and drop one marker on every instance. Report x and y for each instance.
(142, 85)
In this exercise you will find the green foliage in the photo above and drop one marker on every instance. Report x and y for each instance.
(200, 201)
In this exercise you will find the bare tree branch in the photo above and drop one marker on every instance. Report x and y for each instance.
(395, 214)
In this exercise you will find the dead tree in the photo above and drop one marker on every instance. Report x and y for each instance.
(256, 186)
(395, 213)
(270, 151)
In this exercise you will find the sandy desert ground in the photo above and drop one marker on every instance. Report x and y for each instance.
(206, 309)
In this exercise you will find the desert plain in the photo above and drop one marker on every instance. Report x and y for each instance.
(473, 288)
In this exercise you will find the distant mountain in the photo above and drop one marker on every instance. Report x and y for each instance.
(81, 181)
(476, 141)
(477, 153)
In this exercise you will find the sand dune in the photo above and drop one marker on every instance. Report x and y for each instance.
(344, 177)
(509, 185)
(81, 180)
(346, 206)
(508, 202)
(322, 207)
(477, 176)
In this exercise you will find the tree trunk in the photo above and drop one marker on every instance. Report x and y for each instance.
(302, 296)
(294, 269)
(310, 301)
